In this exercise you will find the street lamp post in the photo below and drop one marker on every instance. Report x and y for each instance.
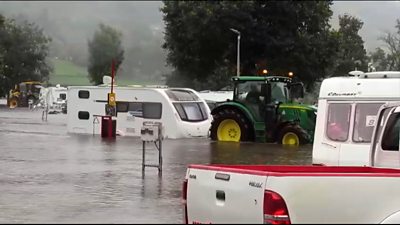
(238, 51)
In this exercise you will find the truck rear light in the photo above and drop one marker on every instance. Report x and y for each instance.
(184, 202)
(275, 210)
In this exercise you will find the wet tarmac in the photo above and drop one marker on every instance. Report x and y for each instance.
(50, 176)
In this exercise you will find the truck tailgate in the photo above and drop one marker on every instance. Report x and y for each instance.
(224, 196)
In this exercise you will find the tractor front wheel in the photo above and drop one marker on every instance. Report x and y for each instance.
(292, 135)
(230, 125)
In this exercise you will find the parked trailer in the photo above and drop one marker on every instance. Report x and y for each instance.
(54, 99)
(181, 111)
(347, 108)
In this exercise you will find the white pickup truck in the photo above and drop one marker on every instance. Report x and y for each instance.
(302, 194)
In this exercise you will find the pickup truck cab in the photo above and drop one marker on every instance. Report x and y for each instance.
(302, 194)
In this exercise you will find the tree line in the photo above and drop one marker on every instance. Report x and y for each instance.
(280, 36)
(24, 50)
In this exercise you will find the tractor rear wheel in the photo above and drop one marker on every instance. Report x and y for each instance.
(292, 135)
(13, 103)
(230, 125)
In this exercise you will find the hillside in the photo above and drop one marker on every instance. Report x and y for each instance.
(66, 73)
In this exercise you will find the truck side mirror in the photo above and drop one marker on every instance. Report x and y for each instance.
(296, 90)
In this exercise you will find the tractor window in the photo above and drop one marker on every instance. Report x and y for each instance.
(364, 121)
(338, 123)
(249, 92)
(278, 92)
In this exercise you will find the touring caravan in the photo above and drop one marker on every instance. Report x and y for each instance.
(54, 98)
(181, 111)
(347, 107)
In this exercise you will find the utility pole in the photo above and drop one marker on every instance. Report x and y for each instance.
(238, 51)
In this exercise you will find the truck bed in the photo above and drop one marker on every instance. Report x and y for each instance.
(313, 194)
(284, 170)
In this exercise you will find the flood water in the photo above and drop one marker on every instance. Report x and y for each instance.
(50, 176)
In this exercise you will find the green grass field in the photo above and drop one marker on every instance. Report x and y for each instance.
(68, 74)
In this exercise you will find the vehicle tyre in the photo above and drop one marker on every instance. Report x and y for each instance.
(231, 125)
(292, 134)
(13, 103)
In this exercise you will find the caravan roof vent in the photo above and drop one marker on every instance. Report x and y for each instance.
(356, 73)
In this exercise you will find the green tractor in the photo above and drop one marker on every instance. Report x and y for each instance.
(263, 110)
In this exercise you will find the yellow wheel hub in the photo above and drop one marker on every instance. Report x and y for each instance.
(290, 138)
(13, 104)
(228, 130)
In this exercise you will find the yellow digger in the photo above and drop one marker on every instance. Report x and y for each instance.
(24, 94)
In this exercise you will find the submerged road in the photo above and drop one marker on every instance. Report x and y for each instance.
(50, 176)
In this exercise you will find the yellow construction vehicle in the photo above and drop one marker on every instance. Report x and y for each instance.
(24, 94)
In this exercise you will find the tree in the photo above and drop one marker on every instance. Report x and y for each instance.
(351, 53)
(280, 36)
(23, 53)
(379, 60)
(105, 46)
(392, 42)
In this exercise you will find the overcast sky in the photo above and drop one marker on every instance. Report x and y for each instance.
(378, 17)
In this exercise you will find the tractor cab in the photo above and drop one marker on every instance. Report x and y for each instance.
(24, 94)
(256, 92)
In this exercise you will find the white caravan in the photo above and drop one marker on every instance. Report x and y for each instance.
(181, 111)
(54, 99)
(347, 108)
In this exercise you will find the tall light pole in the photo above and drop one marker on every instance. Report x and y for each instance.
(238, 51)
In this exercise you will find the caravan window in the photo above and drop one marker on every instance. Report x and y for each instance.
(147, 110)
(83, 94)
(391, 133)
(122, 106)
(63, 96)
(152, 110)
(136, 109)
(191, 111)
(338, 123)
(364, 120)
(83, 115)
